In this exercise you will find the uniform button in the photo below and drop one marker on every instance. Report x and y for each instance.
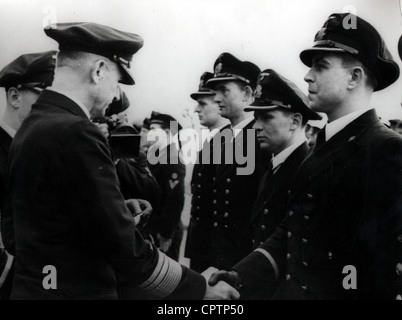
(198, 208)
(304, 288)
(329, 255)
(228, 180)
(309, 196)
(265, 211)
(307, 218)
(227, 191)
(399, 297)
(290, 213)
(289, 234)
(226, 215)
(214, 191)
(215, 224)
(304, 263)
(288, 277)
(198, 197)
(192, 185)
(288, 256)
(213, 178)
(263, 227)
(253, 241)
(261, 242)
(226, 226)
(215, 201)
(199, 174)
(215, 213)
(199, 186)
(226, 202)
(288, 191)
(305, 241)
(399, 269)
(198, 218)
(399, 237)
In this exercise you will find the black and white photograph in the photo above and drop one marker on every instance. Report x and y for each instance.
(203, 150)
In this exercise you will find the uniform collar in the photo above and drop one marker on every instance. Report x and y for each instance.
(10, 131)
(337, 125)
(77, 102)
(283, 155)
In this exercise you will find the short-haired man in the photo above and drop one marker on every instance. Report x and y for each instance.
(236, 180)
(198, 243)
(281, 112)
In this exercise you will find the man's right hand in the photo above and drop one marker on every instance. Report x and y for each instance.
(231, 277)
(221, 291)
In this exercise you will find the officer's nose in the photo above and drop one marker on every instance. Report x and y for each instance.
(117, 95)
(309, 76)
(257, 125)
(217, 97)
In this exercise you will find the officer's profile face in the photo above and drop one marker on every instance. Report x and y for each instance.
(231, 98)
(22, 101)
(273, 129)
(157, 134)
(327, 82)
(207, 110)
(107, 88)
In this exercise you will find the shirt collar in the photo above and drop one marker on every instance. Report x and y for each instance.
(283, 155)
(10, 131)
(77, 102)
(337, 125)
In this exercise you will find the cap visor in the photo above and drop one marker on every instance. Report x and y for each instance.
(127, 77)
(306, 56)
(197, 95)
(211, 83)
(261, 108)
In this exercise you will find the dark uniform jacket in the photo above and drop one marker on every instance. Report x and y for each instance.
(233, 199)
(65, 205)
(5, 143)
(170, 177)
(345, 210)
(198, 243)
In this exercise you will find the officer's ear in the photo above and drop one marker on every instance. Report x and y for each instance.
(99, 70)
(14, 98)
(356, 76)
(248, 94)
(297, 120)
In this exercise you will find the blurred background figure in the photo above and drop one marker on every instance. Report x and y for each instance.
(144, 145)
(165, 162)
(136, 180)
(313, 127)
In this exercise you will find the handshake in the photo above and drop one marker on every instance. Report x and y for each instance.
(221, 285)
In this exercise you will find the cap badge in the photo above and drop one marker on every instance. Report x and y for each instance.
(201, 84)
(218, 68)
(321, 33)
(258, 91)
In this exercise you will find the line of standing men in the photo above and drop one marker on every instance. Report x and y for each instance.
(342, 234)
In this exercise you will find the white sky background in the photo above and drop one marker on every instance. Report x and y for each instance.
(183, 38)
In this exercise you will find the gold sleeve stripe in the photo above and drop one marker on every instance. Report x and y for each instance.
(270, 259)
(165, 277)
